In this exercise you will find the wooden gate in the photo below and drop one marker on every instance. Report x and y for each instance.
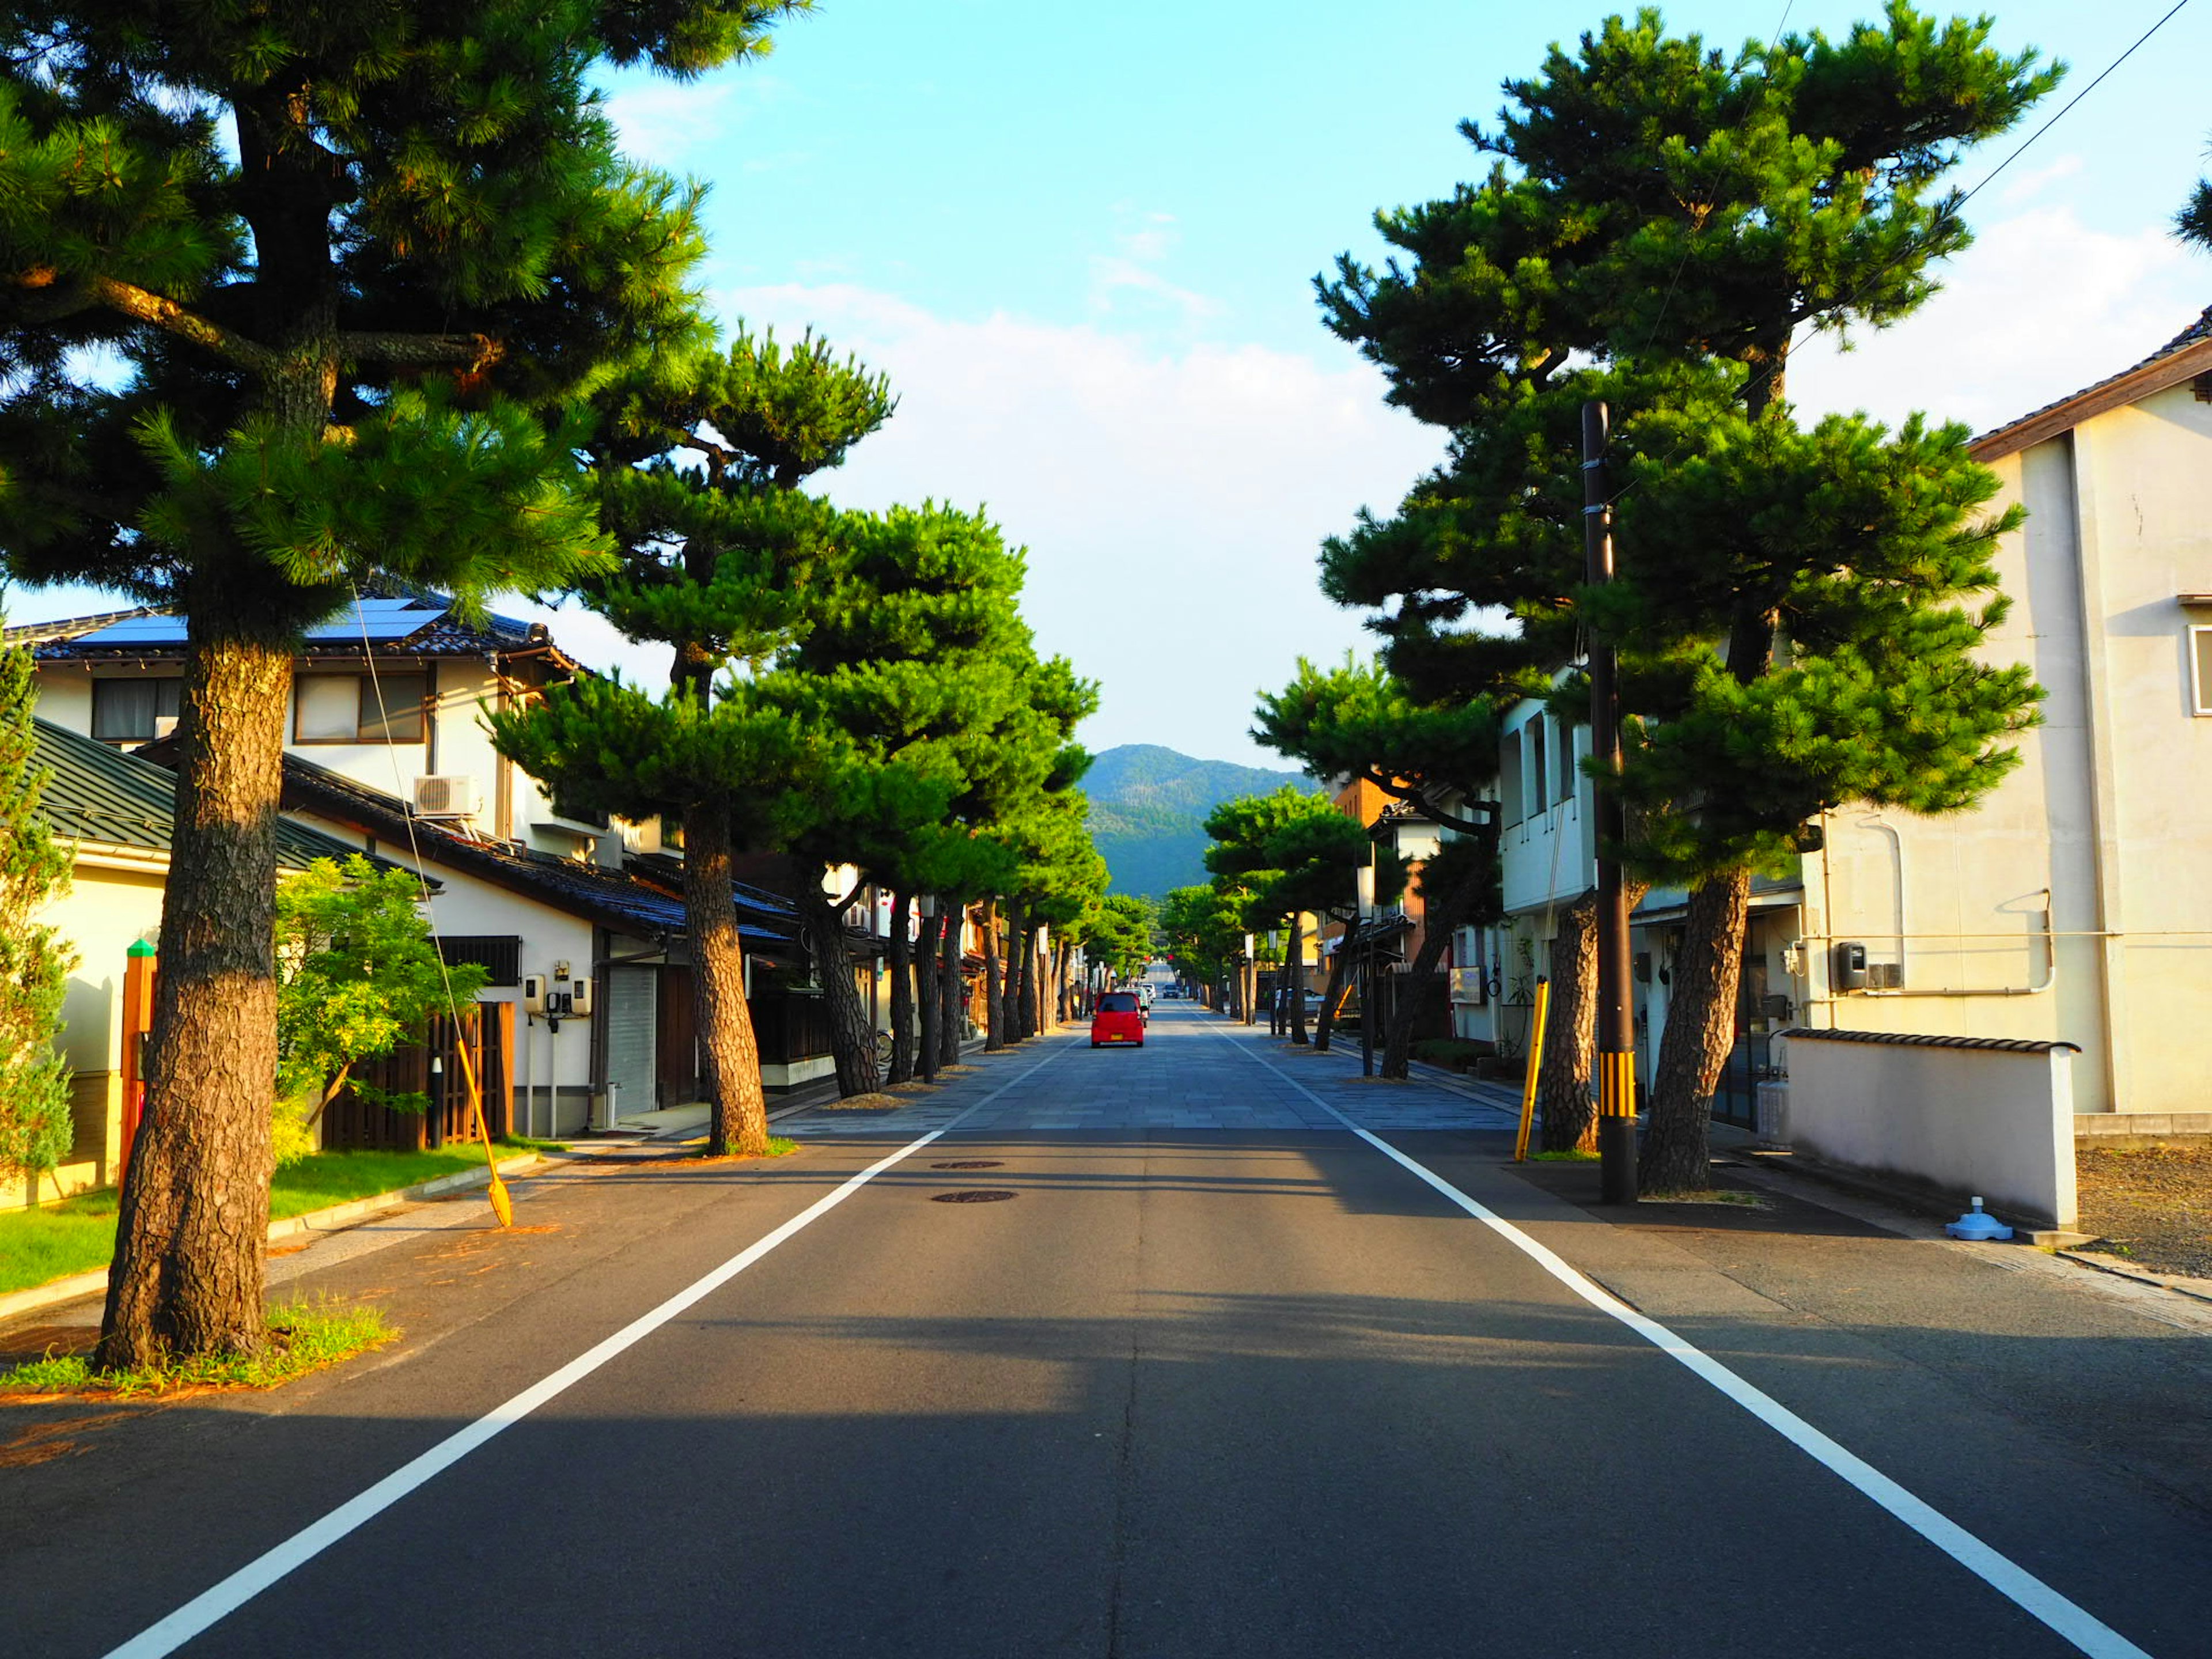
(434, 1068)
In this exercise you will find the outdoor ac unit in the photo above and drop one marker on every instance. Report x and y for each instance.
(449, 796)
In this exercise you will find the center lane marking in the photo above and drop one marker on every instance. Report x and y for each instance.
(2007, 1577)
(226, 1597)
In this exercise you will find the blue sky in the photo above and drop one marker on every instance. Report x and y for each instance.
(1080, 240)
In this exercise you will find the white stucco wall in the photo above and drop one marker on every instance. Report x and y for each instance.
(1997, 1123)
(2109, 812)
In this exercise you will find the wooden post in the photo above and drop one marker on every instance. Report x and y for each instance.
(140, 966)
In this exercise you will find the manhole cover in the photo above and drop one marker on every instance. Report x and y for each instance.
(973, 1195)
(971, 1164)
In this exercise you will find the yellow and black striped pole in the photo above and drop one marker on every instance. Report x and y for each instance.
(1616, 1025)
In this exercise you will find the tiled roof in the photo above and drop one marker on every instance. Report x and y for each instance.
(100, 794)
(2185, 355)
(408, 622)
(613, 898)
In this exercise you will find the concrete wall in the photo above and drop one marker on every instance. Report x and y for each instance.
(1996, 1122)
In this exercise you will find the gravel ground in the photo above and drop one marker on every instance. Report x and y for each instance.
(2152, 1205)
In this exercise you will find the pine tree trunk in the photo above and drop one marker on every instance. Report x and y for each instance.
(1440, 921)
(1062, 960)
(932, 1007)
(900, 953)
(852, 1037)
(1334, 995)
(994, 994)
(1570, 1032)
(1017, 920)
(187, 1273)
(949, 986)
(1700, 1037)
(1031, 1026)
(729, 1050)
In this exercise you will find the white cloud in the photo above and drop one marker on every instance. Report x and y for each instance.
(2034, 181)
(2040, 307)
(687, 125)
(1173, 502)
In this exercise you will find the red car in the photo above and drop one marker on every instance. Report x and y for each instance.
(1120, 1019)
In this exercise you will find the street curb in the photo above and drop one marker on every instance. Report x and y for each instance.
(2198, 1290)
(335, 1217)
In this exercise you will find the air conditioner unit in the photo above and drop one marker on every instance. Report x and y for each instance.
(448, 796)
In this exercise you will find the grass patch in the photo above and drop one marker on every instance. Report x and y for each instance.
(1572, 1155)
(778, 1147)
(529, 1143)
(328, 1178)
(1708, 1195)
(77, 1235)
(73, 1237)
(303, 1337)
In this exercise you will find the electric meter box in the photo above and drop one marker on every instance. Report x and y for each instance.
(1849, 972)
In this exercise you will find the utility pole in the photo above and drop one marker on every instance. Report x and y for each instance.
(1616, 1025)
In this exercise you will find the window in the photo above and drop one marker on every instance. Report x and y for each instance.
(2200, 670)
(347, 708)
(1540, 752)
(1565, 780)
(1509, 778)
(123, 711)
(500, 954)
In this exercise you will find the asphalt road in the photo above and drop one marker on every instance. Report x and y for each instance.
(1221, 1378)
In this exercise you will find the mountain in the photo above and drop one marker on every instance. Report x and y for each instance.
(1148, 807)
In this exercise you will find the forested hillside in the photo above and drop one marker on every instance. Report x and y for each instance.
(1148, 807)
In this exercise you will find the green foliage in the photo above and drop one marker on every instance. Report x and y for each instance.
(697, 464)
(1203, 927)
(1798, 610)
(1359, 719)
(348, 259)
(1118, 933)
(35, 1127)
(358, 974)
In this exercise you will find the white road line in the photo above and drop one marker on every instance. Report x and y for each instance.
(2000, 1572)
(225, 1598)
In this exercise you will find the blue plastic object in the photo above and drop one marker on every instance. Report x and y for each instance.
(1974, 1225)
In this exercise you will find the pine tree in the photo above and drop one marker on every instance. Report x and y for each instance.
(35, 1127)
(724, 557)
(287, 294)
(1671, 216)
(921, 665)
(1360, 720)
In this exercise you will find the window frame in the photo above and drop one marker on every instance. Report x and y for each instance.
(134, 680)
(2200, 692)
(366, 697)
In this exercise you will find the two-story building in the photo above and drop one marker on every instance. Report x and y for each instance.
(387, 751)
